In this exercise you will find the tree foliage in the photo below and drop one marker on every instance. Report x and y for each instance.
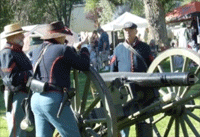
(5, 13)
(91, 5)
(155, 13)
(107, 11)
(110, 9)
(44, 11)
(188, 1)
(35, 11)
(93, 11)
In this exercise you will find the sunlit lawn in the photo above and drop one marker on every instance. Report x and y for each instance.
(3, 123)
(161, 125)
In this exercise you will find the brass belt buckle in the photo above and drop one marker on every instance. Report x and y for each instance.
(65, 90)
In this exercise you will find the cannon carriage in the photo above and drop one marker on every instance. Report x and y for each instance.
(110, 102)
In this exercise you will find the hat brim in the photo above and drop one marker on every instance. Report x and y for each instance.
(129, 28)
(11, 34)
(53, 35)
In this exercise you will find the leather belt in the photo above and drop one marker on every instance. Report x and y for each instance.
(54, 87)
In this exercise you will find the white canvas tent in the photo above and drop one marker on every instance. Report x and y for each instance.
(118, 23)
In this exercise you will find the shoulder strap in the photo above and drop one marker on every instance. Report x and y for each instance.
(135, 52)
(39, 59)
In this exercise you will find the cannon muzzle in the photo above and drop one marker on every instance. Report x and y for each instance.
(152, 79)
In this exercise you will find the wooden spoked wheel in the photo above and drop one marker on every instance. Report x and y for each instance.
(94, 109)
(184, 119)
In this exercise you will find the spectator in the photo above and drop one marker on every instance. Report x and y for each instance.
(139, 37)
(146, 35)
(94, 39)
(174, 42)
(194, 28)
(104, 47)
(183, 36)
(154, 47)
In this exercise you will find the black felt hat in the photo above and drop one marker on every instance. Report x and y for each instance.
(55, 30)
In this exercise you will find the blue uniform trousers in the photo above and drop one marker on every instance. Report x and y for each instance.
(45, 107)
(15, 117)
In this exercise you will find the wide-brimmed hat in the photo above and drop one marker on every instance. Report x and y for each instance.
(55, 30)
(12, 29)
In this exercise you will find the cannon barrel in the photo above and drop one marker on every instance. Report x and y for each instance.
(152, 79)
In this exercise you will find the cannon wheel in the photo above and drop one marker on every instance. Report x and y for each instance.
(94, 95)
(185, 116)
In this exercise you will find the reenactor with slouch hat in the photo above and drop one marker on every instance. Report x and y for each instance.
(54, 69)
(16, 68)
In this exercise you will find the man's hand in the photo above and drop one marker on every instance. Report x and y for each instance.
(79, 44)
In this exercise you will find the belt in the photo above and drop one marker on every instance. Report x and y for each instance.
(16, 89)
(54, 87)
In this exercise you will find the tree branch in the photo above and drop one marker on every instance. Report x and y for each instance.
(57, 12)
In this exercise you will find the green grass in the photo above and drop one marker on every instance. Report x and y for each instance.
(161, 125)
(3, 123)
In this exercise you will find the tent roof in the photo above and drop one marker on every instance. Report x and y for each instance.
(118, 23)
(184, 10)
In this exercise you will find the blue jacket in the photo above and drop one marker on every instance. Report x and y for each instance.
(57, 61)
(16, 66)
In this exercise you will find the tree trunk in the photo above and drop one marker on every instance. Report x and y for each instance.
(65, 12)
(155, 15)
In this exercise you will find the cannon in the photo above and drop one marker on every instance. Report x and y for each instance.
(109, 102)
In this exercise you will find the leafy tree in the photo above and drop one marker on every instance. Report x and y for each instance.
(94, 16)
(93, 11)
(60, 9)
(110, 9)
(188, 1)
(138, 8)
(5, 13)
(133, 6)
(42, 11)
(155, 14)
(107, 11)
(32, 13)
(154, 10)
